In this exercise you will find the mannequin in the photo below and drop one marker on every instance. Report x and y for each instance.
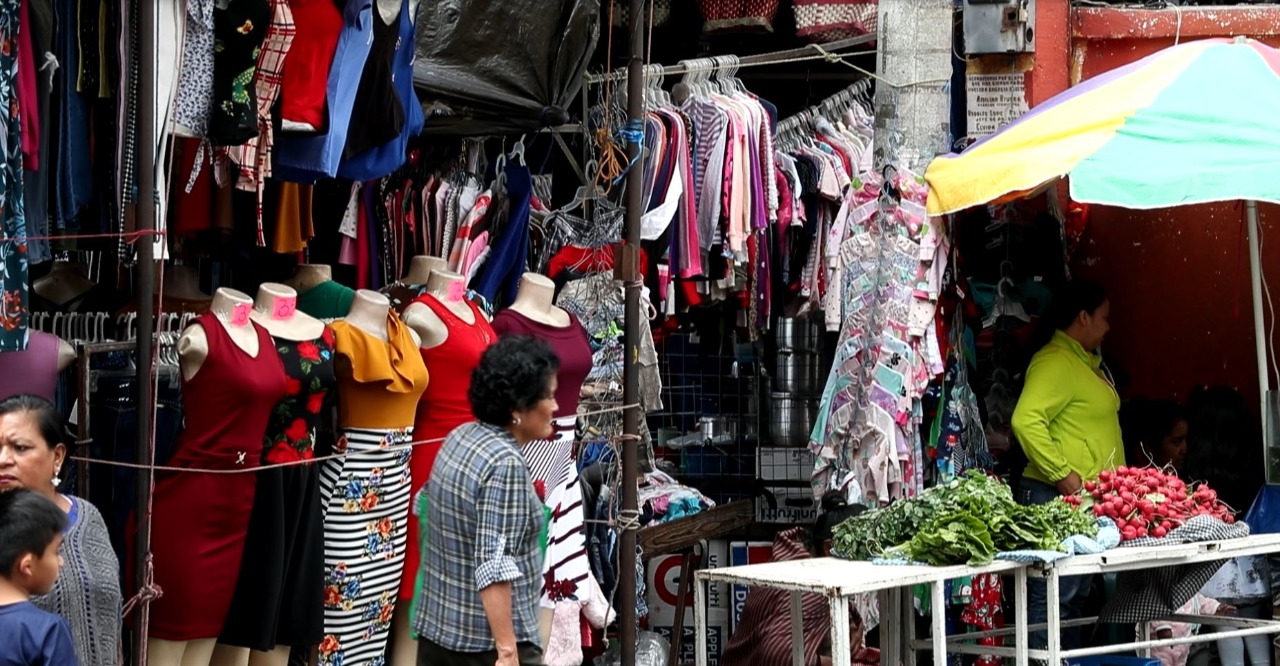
(275, 606)
(66, 283)
(35, 369)
(449, 289)
(232, 377)
(421, 267)
(276, 309)
(308, 276)
(535, 300)
(318, 295)
(381, 379)
(454, 334)
(553, 461)
(405, 290)
(183, 282)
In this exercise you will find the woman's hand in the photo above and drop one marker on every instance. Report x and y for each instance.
(507, 656)
(1070, 485)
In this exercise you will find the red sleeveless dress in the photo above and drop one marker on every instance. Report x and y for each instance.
(199, 521)
(444, 406)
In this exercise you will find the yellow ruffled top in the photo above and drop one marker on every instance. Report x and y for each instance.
(386, 379)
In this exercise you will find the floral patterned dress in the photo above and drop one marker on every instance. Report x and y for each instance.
(275, 601)
(365, 493)
(13, 226)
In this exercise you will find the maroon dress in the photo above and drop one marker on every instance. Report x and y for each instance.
(199, 521)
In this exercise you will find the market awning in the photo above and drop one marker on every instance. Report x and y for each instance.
(1194, 123)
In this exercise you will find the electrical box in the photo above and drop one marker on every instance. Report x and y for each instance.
(999, 26)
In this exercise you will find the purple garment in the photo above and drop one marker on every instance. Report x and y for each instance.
(306, 158)
(33, 370)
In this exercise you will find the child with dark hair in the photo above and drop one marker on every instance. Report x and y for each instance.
(1155, 433)
(30, 535)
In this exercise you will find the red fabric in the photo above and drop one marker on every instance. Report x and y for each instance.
(305, 75)
(28, 97)
(199, 520)
(589, 260)
(444, 406)
(192, 211)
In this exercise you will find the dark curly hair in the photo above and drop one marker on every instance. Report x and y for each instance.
(513, 375)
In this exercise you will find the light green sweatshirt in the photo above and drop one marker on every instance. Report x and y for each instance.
(1067, 418)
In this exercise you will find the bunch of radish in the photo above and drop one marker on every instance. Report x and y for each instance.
(1147, 502)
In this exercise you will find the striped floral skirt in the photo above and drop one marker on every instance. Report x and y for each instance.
(366, 512)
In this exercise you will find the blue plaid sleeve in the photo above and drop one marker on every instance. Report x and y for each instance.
(502, 510)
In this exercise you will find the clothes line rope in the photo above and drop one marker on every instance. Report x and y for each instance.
(292, 463)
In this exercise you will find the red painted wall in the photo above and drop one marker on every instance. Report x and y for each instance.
(1179, 278)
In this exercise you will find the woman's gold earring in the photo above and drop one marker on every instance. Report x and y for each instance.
(515, 420)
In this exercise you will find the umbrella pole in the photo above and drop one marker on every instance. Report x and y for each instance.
(1259, 325)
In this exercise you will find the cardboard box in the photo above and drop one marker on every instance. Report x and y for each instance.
(717, 635)
(784, 463)
(794, 506)
(742, 553)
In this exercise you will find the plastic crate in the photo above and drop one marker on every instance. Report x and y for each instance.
(1112, 660)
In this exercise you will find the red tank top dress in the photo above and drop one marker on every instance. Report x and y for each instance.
(199, 521)
(444, 406)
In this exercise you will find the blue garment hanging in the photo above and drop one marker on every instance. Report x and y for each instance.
(308, 158)
(381, 161)
(510, 249)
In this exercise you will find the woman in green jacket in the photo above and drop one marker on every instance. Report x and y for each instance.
(1067, 422)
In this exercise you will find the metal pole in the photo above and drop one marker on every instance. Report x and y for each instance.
(146, 221)
(1259, 332)
(630, 273)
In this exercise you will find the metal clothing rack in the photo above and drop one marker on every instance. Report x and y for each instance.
(804, 53)
(86, 383)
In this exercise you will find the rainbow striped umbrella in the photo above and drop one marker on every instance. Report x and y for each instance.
(1194, 123)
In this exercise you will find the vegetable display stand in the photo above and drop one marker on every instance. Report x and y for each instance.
(839, 581)
(1116, 560)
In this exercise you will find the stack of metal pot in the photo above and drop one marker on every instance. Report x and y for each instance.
(796, 384)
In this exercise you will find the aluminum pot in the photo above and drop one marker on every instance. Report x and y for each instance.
(791, 419)
(796, 372)
(796, 334)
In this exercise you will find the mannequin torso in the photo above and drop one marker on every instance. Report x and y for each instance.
(422, 266)
(369, 314)
(232, 308)
(65, 283)
(308, 276)
(535, 301)
(183, 283)
(450, 289)
(275, 309)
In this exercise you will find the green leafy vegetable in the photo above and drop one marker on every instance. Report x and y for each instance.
(968, 520)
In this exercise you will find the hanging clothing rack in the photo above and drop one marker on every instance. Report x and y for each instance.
(802, 54)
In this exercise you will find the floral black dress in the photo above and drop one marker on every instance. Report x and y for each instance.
(276, 600)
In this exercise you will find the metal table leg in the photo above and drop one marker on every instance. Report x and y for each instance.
(1020, 633)
(699, 621)
(939, 615)
(841, 651)
(1055, 620)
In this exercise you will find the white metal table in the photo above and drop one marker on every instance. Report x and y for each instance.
(841, 580)
(1115, 560)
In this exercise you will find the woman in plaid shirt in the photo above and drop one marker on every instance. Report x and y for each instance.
(482, 558)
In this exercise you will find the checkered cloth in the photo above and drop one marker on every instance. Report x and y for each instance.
(1144, 595)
